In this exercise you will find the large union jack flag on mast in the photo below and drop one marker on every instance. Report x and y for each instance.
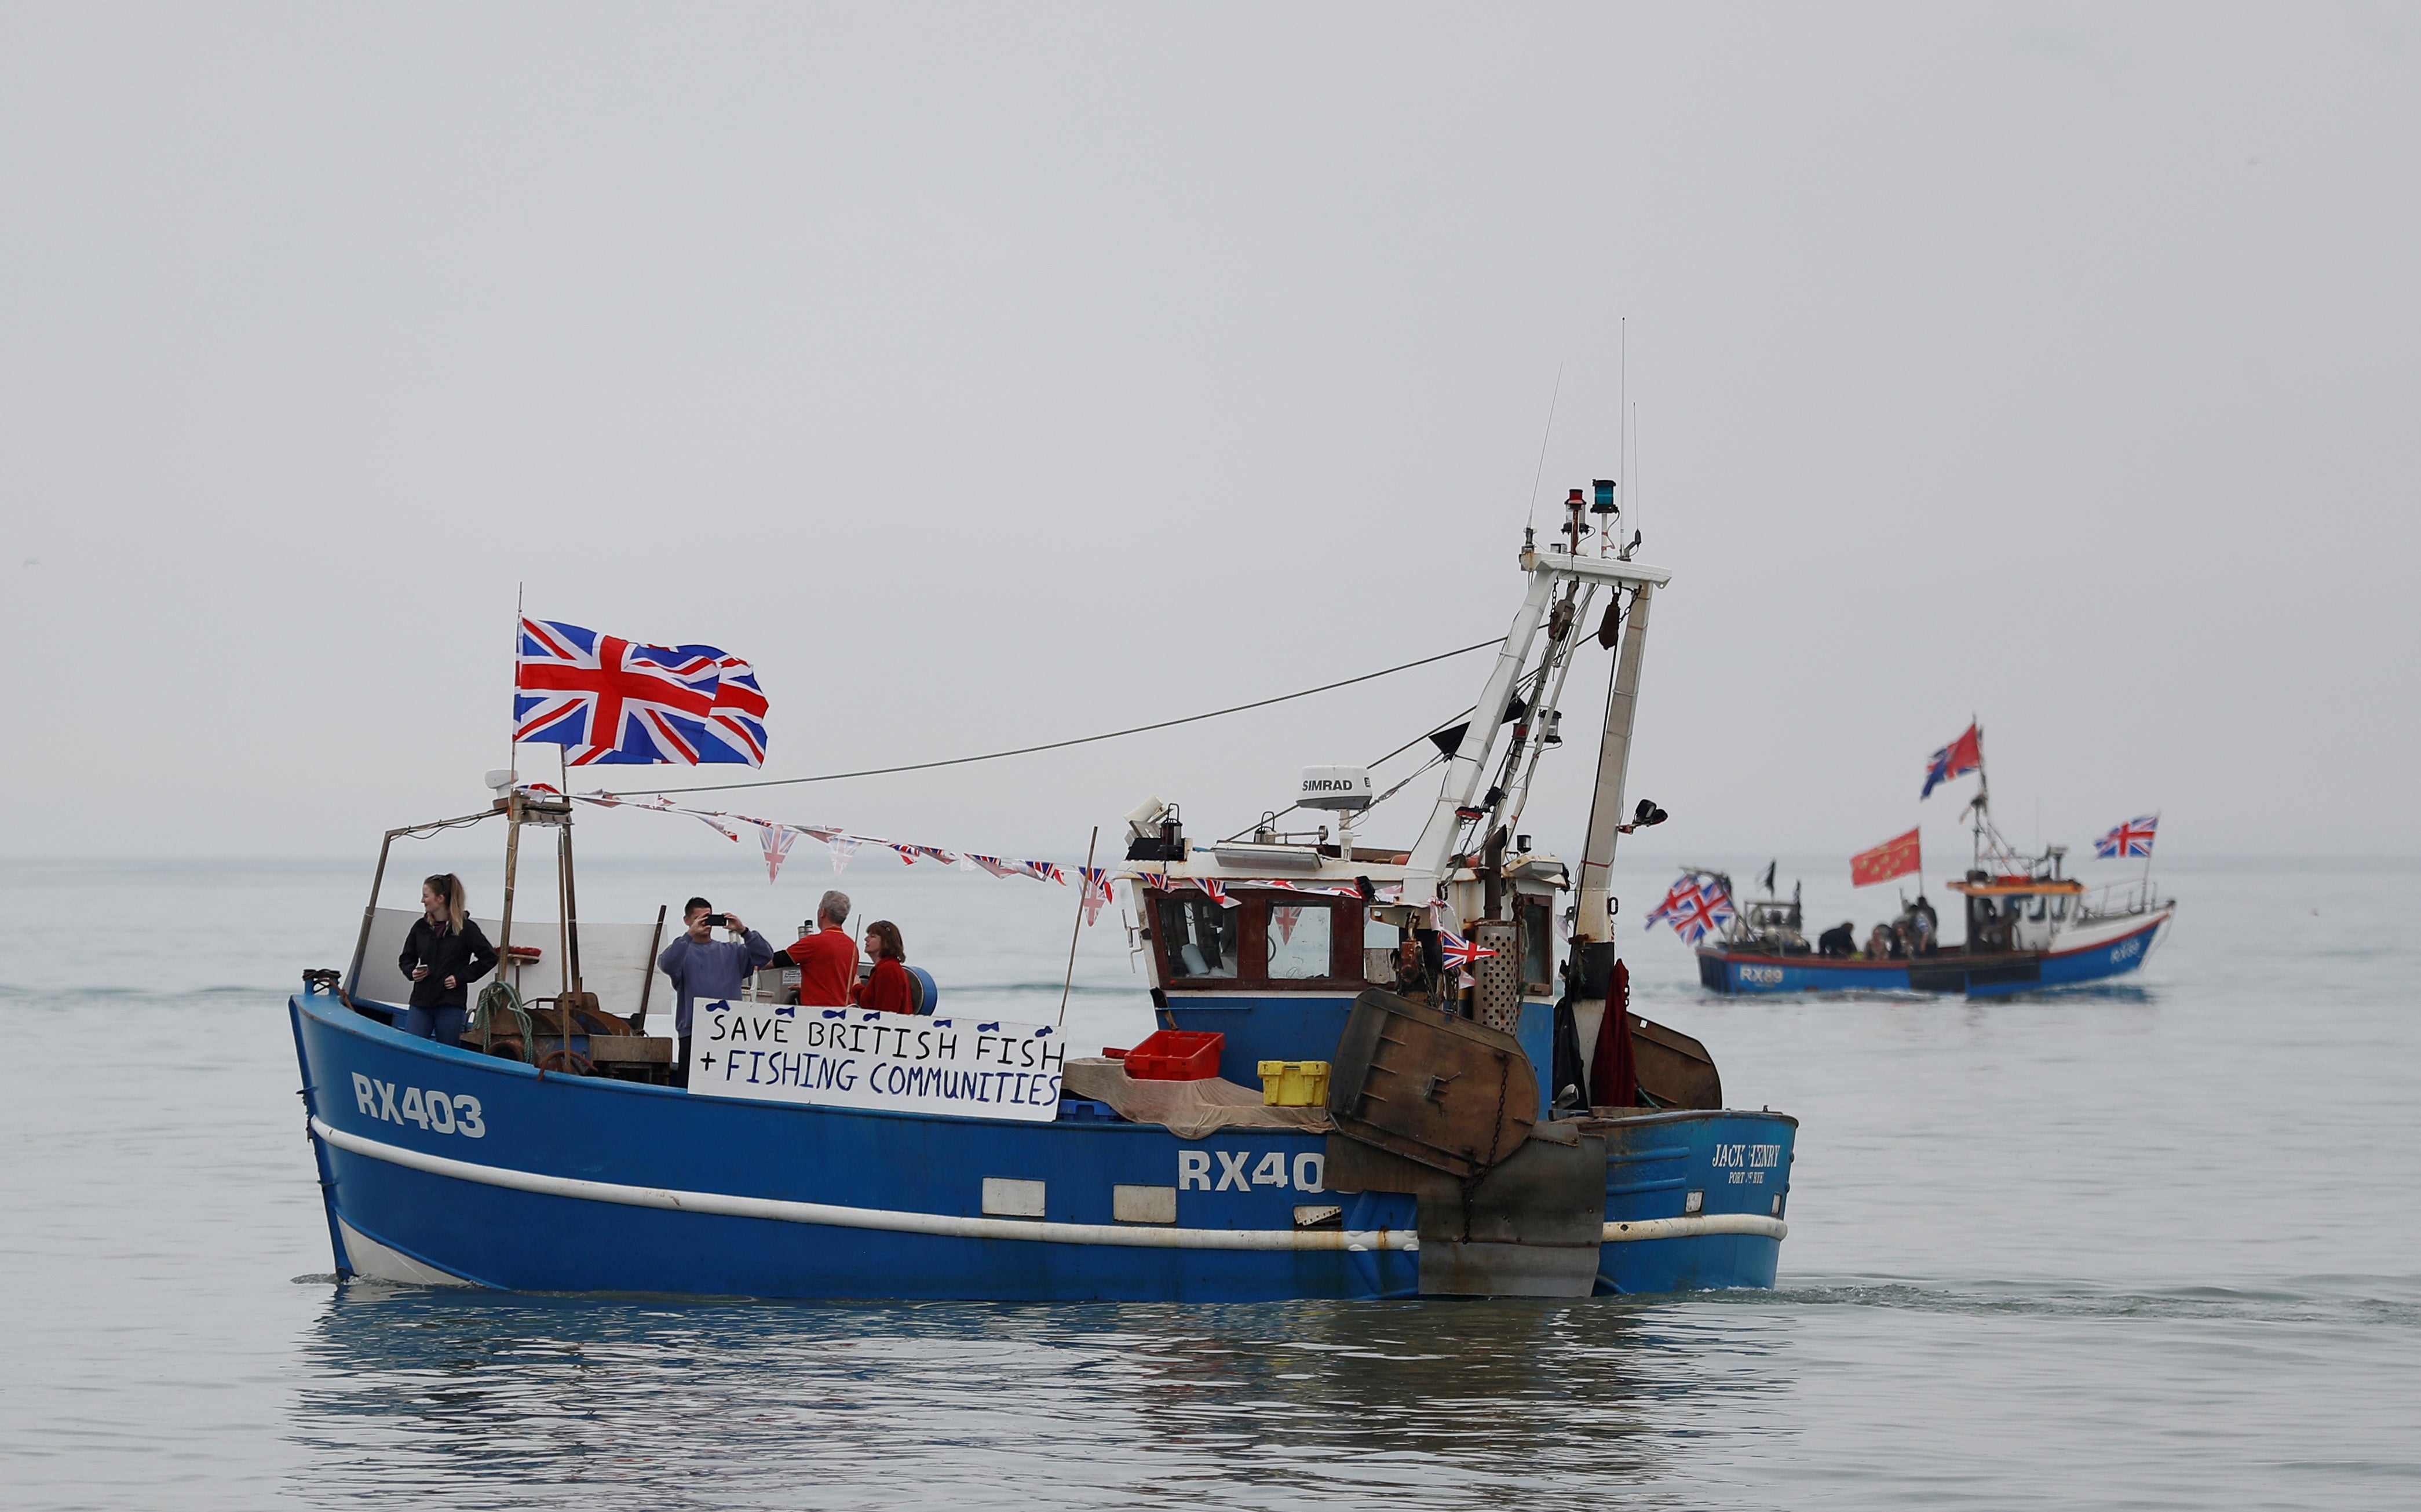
(1959, 758)
(738, 722)
(614, 702)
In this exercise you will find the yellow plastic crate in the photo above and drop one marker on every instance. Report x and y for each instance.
(1294, 1084)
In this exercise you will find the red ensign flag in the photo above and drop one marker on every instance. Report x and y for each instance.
(1895, 857)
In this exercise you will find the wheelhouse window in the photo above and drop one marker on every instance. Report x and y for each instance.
(1200, 937)
(2059, 906)
(1281, 938)
(1301, 940)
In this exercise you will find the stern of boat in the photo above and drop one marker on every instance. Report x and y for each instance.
(1694, 1200)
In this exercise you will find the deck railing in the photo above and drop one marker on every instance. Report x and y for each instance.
(2120, 900)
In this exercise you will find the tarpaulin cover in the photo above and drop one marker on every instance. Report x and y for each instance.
(1189, 1109)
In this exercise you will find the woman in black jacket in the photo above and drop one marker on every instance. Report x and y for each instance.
(444, 954)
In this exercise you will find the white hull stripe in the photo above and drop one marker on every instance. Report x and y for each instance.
(948, 1226)
(1639, 1228)
(832, 1216)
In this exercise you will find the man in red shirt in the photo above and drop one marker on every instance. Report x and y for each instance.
(827, 959)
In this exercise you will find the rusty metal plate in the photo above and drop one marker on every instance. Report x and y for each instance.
(1674, 1069)
(1446, 1092)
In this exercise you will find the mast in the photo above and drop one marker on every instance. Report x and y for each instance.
(1429, 854)
(1462, 769)
(1543, 718)
(1613, 763)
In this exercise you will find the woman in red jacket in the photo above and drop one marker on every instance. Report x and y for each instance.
(889, 987)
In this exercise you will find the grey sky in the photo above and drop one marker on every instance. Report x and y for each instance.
(992, 374)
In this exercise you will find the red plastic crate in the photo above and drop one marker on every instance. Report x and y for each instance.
(1176, 1055)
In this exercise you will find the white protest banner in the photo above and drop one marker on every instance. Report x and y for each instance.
(959, 1067)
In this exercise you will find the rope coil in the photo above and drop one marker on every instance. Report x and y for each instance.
(499, 997)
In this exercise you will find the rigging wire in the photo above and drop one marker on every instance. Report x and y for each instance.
(1431, 764)
(422, 832)
(1381, 761)
(1416, 739)
(1081, 740)
(1535, 681)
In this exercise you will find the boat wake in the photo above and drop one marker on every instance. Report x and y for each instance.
(2391, 1302)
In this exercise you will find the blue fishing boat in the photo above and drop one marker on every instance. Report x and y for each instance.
(1458, 1010)
(2029, 926)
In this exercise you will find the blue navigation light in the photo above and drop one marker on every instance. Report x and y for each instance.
(1605, 505)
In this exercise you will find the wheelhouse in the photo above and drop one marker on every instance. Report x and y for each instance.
(1257, 935)
(2007, 913)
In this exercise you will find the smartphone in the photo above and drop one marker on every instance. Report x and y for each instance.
(718, 921)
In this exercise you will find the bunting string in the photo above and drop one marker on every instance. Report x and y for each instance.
(778, 837)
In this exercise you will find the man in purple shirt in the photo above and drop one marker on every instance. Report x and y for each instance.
(706, 970)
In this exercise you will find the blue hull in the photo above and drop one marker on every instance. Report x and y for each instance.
(440, 1163)
(1995, 977)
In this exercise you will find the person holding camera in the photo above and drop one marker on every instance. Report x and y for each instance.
(444, 952)
(705, 969)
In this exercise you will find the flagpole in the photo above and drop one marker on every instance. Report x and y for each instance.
(2148, 861)
(512, 726)
(1084, 888)
(1983, 790)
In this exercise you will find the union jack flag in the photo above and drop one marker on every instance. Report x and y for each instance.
(777, 840)
(1695, 906)
(1959, 758)
(1459, 952)
(613, 702)
(1097, 891)
(732, 734)
(738, 722)
(2133, 838)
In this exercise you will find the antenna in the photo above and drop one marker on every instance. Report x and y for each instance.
(1540, 472)
(1622, 404)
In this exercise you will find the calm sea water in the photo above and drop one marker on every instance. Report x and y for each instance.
(2154, 1246)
